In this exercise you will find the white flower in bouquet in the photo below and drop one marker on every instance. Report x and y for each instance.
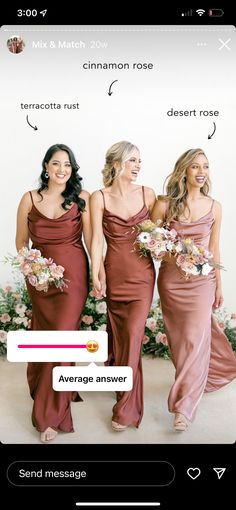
(206, 269)
(101, 307)
(156, 241)
(144, 237)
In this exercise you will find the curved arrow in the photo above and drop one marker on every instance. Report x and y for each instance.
(34, 127)
(210, 136)
(110, 93)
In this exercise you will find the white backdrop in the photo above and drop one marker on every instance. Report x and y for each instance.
(190, 71)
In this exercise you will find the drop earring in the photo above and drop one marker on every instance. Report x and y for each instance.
(46, 175)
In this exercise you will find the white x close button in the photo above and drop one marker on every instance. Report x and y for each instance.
(224, 44)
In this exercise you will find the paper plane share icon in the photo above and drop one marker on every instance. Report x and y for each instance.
(219, 472)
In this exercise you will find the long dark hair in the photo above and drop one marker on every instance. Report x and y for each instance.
(73, 186)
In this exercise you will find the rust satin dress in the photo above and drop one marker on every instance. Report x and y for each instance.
(59, 239)
(130, 284)
(201, 353)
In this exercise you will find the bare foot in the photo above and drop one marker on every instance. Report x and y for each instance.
(180, 422)
(48, 435)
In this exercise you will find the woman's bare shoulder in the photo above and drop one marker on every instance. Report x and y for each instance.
(96, 199)
(159, 210)
(149, 192)
(84, 194)
(217, 208)
(35, 195)
(97, 193)
(216, 203)
(27, 197)
(162, 202)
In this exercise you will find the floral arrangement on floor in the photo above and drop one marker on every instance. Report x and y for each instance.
(155, 340)
(158, 240)
(16, 312)
(227, 322)
(94, 314)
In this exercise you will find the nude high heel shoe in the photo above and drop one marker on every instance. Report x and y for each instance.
(118, 427)
(48, 435)
(180, 423)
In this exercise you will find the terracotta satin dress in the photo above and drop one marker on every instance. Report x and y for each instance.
(130, 284)
(201, 353)
(59, 239)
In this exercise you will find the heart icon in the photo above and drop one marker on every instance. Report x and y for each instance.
(193, 472)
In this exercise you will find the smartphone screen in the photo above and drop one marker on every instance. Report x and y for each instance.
(73, 97)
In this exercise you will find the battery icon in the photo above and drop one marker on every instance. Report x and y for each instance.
(215, 13)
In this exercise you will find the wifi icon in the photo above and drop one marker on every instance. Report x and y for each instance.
(200, 12)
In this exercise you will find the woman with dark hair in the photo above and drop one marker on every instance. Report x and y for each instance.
(54, 218)
(201, 353)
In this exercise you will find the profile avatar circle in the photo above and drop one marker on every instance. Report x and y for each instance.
(15, 44)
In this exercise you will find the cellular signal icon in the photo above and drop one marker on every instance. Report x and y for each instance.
(200, 12)
(188, 13)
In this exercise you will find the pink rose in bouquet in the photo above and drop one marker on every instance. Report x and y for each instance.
(157, 241)
(39, 271)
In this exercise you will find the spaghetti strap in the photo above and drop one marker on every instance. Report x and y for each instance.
(31, 197)
(212, 204)
(103, 198)
(144, 203)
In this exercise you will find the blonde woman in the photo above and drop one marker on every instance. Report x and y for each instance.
(115, 211)
(201, 353)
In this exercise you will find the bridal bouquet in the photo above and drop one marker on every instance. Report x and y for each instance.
(38, 271)
(157, 241)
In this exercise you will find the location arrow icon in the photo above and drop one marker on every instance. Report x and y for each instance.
(219, 472)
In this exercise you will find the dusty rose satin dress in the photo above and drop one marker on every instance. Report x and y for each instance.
(59, 239)
(201, 353)
(130, 285)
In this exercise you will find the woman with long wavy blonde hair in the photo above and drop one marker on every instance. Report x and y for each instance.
(115, 211)
(201, 353)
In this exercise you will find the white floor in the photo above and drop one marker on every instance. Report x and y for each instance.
(215, 422)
